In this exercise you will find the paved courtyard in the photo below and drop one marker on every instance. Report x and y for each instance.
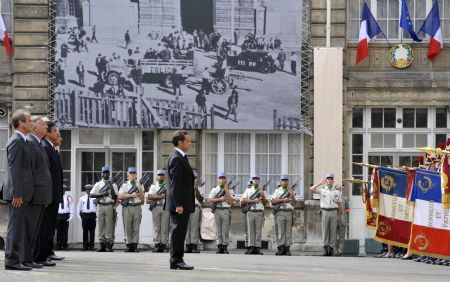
(147, 266)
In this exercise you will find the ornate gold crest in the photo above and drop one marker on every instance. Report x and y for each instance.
(401, 56)
(421, 241)
(426, 184)
(383, 228)
(387, 182)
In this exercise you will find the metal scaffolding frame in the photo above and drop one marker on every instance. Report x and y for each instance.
(51, 56)
(306, 67)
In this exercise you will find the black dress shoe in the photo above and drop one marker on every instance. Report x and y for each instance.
(33, 264)
(17, 266)
(181, 265)
(55, 257)
(47, 263)
(407, 258)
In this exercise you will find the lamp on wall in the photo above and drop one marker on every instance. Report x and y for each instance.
(3, 112)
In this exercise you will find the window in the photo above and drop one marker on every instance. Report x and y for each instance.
(441, 118)
(357, 156)
(440, 139)
(415, 118)
(357, 118)
(6, 10)
(387, 13)
(240, 154)
(237, 158)
(122, 137)
(65, 152)
(147, 156)
(412, 140)
(383, 118)
(91, 136)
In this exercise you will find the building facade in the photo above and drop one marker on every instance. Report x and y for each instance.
(387, 112)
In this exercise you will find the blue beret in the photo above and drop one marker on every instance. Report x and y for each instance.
(329, 175)
(132, 169)
(160, 172)
(221, 174)
(88, 186)
(105, 169)
(255, 175)
(284, 177)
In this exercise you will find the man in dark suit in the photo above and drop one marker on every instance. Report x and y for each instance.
(44, 246)
(180, 197)
(18, 188)
(42, 188)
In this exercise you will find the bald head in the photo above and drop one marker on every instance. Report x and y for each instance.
(39, 127)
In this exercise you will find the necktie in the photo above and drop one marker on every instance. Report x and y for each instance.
(62, 204)
(88, 205)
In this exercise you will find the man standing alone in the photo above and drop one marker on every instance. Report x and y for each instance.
(180, 197)
(18, 188)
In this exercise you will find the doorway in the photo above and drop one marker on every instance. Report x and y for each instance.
(197, 14)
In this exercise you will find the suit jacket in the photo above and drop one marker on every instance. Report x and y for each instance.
(56, 171)
(42, 179)
(181, 184)
(19, 177)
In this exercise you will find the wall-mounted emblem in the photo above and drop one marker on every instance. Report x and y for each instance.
(401, 56)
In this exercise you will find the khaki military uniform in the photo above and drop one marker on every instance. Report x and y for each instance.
(193, 229)
(222, 217)
(255, 220)
(284, 218)
(161, 218)
(131, 215)
(329, 199)
(105, 214)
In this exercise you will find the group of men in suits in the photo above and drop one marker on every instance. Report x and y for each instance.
(33, 189)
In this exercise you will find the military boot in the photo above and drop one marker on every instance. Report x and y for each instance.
(325, 251)
(330, 251)
(280, 250)
(249, 250)
(195, 249)
(102, 248)
(155, 248)
(128, 248)
(162, 248)
(225, 249)
(258, 251)
(219, 249)
(188, 248)
(109, 247)
(135, 248)
(287, 252)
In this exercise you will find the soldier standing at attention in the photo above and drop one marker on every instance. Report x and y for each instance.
(193, 229)
(284, 196)
(223, 196)
(156, 197)
(132, 196)
(86, 213)
(106, 191)
(330, 197)
(255, 216)
(342, 226)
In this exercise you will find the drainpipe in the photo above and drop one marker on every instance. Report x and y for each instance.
(328, 26)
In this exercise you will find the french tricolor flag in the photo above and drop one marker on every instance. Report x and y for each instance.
(368, 29)
(5, 38)
(432, 27)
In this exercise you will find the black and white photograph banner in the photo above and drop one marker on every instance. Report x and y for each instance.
(193, 64)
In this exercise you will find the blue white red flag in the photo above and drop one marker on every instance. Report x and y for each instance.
(395, 212)
(432, 27)
(368, 29)
(430, 232)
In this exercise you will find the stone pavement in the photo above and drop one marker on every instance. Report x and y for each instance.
(146, 266)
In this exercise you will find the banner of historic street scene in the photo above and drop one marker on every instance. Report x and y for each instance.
(210, 64)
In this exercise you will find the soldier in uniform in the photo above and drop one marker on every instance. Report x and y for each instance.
(87, 214)
(157, 195)
(285, 197)
(132, 196)
(106, 191)
(223, 196)
(255, 216)
(193, 229)
(330, 197)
